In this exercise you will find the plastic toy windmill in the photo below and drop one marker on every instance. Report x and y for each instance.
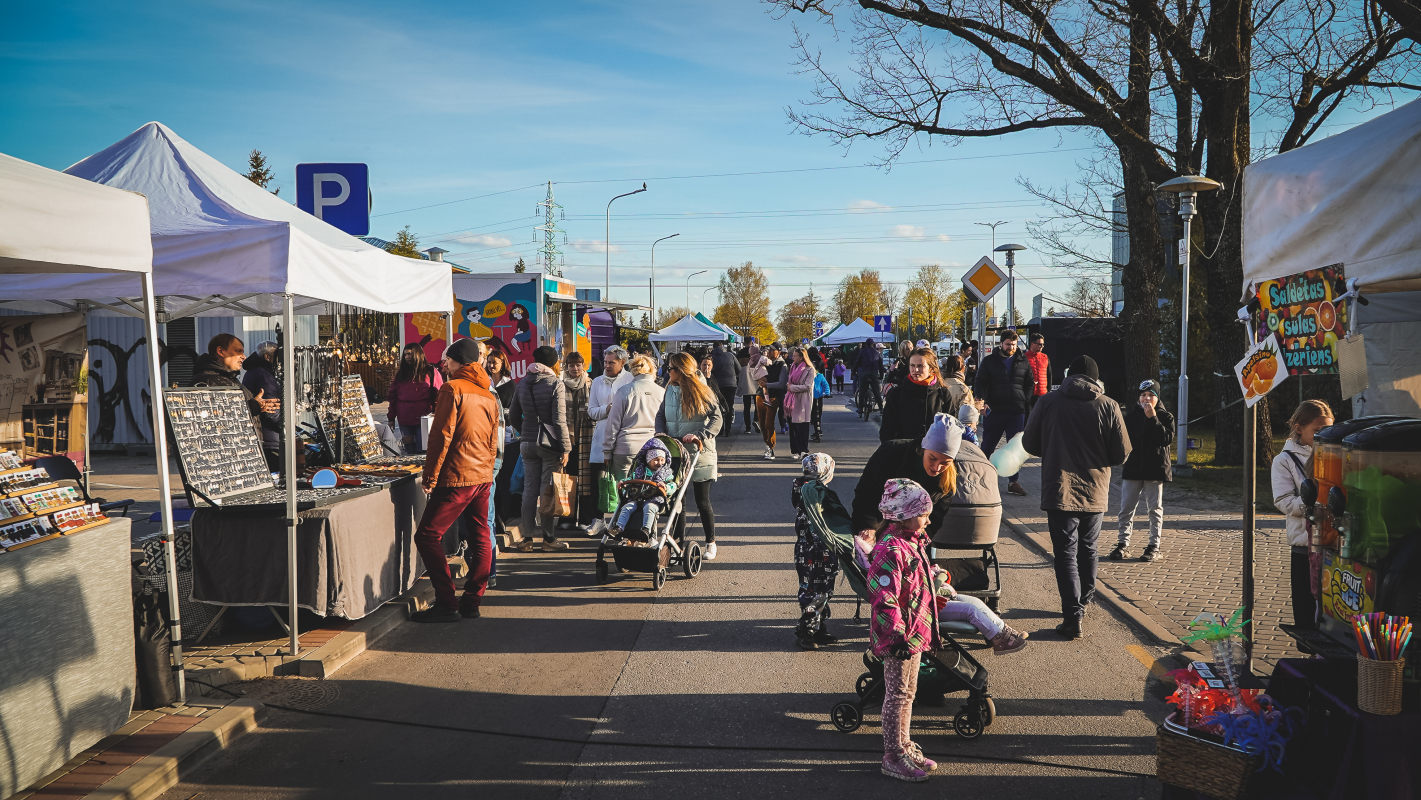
(1220, 635)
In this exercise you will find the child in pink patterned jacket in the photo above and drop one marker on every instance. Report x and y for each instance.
(904, 620)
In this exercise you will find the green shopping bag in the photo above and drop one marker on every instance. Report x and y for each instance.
(607, 492)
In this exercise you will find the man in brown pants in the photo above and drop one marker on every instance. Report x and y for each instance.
(458, 477)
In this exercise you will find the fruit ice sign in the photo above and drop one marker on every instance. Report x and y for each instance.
(1258, 373)
(1348, 587)
(1301, 310)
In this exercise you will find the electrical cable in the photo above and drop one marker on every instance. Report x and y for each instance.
(671, 746)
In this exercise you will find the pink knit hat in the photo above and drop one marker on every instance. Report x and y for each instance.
(904, 499)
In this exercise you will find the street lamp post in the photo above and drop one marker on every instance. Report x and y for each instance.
(607, 242)
(688, 287)
(703, 298)
(1011, 251)
(1187, 187)
(653, 272)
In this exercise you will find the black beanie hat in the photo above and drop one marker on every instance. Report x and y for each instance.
(464, 351)
(546, 356)
(1084, 365)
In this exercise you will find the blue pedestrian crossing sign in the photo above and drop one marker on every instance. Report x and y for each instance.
(818, 328)
(883, 323)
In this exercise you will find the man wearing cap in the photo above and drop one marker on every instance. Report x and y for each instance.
(1079, 434)
(1147, 470)
(458, 477)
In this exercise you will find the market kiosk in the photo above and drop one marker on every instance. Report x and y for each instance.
(68, 677)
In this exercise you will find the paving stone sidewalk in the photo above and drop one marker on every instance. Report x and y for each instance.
(1202, 569)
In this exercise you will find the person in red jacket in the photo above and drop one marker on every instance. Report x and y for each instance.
(1040, 366)
(458, 476)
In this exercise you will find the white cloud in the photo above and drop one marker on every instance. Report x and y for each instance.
(483, 240)
(593, 246)
(868, 205)
(917, 233)
(796, 259)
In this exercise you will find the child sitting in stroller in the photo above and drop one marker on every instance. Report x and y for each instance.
(652, 464)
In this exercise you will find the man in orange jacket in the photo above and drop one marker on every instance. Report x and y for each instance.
(458, 477)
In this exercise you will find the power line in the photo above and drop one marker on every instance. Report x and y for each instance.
(452, 202)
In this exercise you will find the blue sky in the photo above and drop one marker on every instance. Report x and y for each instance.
(448, 101)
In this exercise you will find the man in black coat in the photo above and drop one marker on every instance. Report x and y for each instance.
(261, 380)
(1149, 467)
(726, 371)
(220, 366)
(1005, 381)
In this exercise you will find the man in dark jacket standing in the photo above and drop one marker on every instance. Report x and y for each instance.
(261, 380)
(1148, 469)
(458, 477)
(726, 371)
(220, 365)
(868, 366)
(1079, 434)
(1005, 381)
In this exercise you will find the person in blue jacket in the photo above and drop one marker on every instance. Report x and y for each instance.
(816, 415)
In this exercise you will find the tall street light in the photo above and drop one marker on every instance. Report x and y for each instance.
(688, 287)
(993, 226)
(703, 298)
(1011, 251)
(607, 242)
(653, 271)
(1187, 187)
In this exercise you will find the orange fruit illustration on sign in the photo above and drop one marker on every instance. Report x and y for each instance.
(1326, 316)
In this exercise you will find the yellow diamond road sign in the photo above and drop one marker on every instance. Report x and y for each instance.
(983, 280)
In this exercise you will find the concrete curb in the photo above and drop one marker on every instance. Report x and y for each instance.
(1132, 606)
(156, 773)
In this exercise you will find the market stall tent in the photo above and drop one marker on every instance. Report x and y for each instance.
(855, 333)
(1351, 199)
(57, 225)
(690, 329)
(221, 245)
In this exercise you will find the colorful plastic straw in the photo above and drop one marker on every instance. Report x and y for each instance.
(1382, 637)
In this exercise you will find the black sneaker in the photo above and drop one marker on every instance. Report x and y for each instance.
(436, 614)
(1152, 553)
(1071, 629)
(469, 607)
(1120, 553)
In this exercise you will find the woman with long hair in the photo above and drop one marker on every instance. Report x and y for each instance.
(913, 404)
(500, 377)
(799, 400)
(690, 411)
(1290, 468)
(412, 395)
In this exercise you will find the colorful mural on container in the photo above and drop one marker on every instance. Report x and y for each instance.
(503, 314)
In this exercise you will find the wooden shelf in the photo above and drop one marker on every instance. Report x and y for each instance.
(96, 523)
(42, 513)
(32, 541)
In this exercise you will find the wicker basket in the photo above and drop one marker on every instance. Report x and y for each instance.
(1379, 685)
(1206, 767)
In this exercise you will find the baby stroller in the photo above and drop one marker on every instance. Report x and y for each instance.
(950, 670)
(637, 550)
(972, 523)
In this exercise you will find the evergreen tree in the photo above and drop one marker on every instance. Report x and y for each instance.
(520, 266)
(259, 172)
(406, 244)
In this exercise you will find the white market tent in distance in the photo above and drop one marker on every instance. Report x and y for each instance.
(690, 329)
(224, 246)
(1348, 199)
(854, 333)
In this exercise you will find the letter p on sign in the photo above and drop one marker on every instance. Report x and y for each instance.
(337, 194)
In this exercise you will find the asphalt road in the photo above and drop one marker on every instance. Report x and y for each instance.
(705, 664)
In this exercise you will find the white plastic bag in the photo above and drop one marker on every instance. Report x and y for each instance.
(1009, 457)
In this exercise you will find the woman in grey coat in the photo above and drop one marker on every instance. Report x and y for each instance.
(540, 404)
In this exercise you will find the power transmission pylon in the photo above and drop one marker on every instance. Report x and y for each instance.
(550, 255)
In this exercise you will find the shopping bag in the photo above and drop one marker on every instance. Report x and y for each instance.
(1009, 457)
(515, 480)
(607, 492)
(556, 500)
(157, 683)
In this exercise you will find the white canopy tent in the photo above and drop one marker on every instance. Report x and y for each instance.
(1350, 199)
(855, 333)
(60, 227)
(221, 245)
(690, 329)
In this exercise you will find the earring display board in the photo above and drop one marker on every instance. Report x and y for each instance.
(218, 449)
(357, 427)
(34, 508)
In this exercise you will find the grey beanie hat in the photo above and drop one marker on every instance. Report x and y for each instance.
(945, 436)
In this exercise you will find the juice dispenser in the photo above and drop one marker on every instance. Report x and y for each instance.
(1382, 478)
(1328, 456)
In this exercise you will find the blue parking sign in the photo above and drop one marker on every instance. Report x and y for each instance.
(883, 323)
(338, 194)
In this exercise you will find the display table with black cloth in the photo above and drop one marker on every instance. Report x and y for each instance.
(66, 649)
(1341, 752)
(351, 556)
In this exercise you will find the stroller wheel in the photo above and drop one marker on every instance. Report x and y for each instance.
(862, 685)
(691, 560)
(966, 726)
(601, 572)
(988, 710)
(846, 717)
(658, 579)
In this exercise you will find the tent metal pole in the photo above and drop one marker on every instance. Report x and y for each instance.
(1250, 508)
(288, 416)
(448, 330)
(165, 489)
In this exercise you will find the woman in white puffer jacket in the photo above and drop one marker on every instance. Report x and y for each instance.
(1290, 468)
